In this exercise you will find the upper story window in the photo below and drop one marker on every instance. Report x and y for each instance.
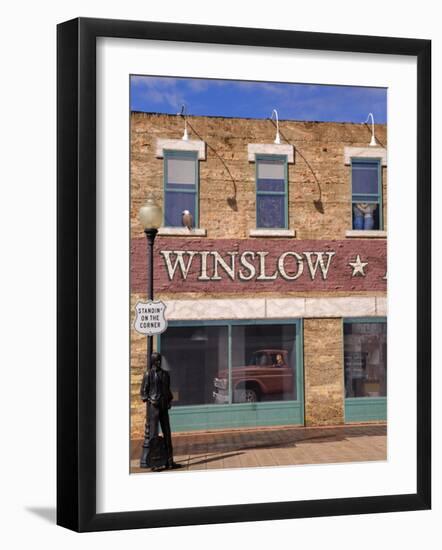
(366, 186)
(181, 183)
(271, 192)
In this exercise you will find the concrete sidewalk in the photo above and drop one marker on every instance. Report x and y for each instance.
(278, 446)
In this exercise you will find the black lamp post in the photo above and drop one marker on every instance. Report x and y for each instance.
(150, 216)
(155, 387)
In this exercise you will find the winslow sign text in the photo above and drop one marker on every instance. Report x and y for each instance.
(261, 265)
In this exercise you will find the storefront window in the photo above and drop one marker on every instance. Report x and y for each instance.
(259, 363)
(365, 359)
(195, 357)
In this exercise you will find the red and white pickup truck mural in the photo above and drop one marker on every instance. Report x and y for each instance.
(267, 376)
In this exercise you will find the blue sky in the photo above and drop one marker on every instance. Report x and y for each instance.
(235, 98)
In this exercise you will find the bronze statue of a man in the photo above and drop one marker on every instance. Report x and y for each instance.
(155, 392)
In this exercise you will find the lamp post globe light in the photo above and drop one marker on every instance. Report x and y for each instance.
(150, 216)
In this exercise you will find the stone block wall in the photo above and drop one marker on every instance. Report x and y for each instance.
(319, 181)
(323, 372)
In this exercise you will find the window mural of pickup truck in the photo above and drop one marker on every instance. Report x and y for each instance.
(268, 376)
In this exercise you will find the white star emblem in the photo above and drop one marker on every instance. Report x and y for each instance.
(358, 267)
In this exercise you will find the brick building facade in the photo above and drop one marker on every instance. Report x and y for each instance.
(278, 262)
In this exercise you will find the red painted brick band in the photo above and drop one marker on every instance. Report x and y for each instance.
(244, 265)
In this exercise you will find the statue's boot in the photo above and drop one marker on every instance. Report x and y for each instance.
(171, 465)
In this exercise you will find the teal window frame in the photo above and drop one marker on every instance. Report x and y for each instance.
(360, 409)
(189, 417)
(283, 158)
(185, 155)
(374, 197)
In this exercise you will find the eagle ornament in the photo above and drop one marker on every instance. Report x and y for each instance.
(187, 219)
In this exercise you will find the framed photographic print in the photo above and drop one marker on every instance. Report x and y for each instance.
(243, 247)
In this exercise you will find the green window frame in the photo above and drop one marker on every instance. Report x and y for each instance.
(261, 194)
(371, 198)
(189, 192)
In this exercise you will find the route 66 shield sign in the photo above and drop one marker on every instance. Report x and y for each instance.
(150, 317)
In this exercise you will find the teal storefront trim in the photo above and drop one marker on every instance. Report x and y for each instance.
(235, 415)
(364, 409)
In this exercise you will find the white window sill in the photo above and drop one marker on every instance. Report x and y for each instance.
(366, 233)
(182, 232)
(272, 233)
